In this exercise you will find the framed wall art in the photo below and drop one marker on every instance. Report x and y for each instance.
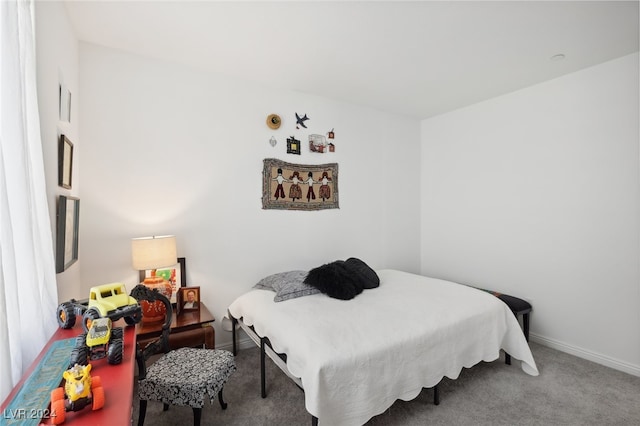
(293, 146)
(318, 143)
(68, 219)
(288, 186)
(65, 162)
(175, 274)
(64, 103)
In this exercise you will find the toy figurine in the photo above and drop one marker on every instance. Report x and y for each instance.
(80, 390)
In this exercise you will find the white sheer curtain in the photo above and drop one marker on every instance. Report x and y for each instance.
(28, 295)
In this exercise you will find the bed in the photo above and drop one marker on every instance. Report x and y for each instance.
(354, 358)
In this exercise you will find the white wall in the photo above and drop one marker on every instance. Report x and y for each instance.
(57, 62)
(167, 149)
(536, 194)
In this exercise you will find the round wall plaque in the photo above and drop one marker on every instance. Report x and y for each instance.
(273, 121)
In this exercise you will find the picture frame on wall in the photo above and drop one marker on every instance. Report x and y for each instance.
(188, 300)
(64, 103)
(65, 162)
(293, 146)
(175, 274)
(67, 225)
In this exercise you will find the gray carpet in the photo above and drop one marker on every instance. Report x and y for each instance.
(568, 391)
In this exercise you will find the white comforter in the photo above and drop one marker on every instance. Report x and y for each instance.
(356, 357)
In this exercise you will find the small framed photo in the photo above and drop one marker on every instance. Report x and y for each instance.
(65, 162)
(68, 219)
(188, 300)
(176, 275)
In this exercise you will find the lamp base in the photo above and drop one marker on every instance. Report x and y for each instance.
(155, 311)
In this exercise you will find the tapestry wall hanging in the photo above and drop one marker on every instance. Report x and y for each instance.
(288, 186)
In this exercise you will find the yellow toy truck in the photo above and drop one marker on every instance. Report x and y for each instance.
(79, 391)
(105, 301)
(102, 340)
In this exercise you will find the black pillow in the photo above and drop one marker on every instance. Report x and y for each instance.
(335, 280)
(367, 276)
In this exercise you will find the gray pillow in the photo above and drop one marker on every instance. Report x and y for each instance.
(287, 285)
(267, 282)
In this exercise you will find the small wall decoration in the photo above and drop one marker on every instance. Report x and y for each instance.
(293, 146)
(67, 221)
(318, 143)
(65, 162)
(300, 121)
(188, 300)
(273, 141)
(176, 275)
(288, 186)
(64, 103)
(331, 134)
(274, 121)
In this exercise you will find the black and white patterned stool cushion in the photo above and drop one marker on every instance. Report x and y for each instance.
(184, 376)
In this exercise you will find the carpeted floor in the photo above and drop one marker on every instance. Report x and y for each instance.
(568, 391)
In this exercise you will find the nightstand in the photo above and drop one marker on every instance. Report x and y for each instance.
(189, 329)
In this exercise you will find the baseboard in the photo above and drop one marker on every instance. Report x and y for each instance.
(586, 354)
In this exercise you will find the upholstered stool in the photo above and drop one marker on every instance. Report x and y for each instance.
(518, 307)
(186, 376)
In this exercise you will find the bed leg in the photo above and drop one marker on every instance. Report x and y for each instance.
(507, 358)
(436, 395)
(314, 421)
(234, 322)
(263, 384)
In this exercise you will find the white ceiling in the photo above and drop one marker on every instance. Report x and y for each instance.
(418, 58)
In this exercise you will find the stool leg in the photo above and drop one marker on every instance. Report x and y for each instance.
(197, 414)
(222, 403)
(525, 325)
(507, 357)
(143, 412)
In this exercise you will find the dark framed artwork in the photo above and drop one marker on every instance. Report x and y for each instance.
(175, 274)
(67, 220)
(188, 300)
(288, 186)
(293, 146)
(65, 162)
(64, 103)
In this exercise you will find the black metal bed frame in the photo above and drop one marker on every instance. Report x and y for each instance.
(264, 342)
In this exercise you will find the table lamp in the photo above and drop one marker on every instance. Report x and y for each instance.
(152, 253)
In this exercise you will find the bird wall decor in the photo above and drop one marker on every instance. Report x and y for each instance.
(300, 120)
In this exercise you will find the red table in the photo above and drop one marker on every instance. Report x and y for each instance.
(117, 381)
